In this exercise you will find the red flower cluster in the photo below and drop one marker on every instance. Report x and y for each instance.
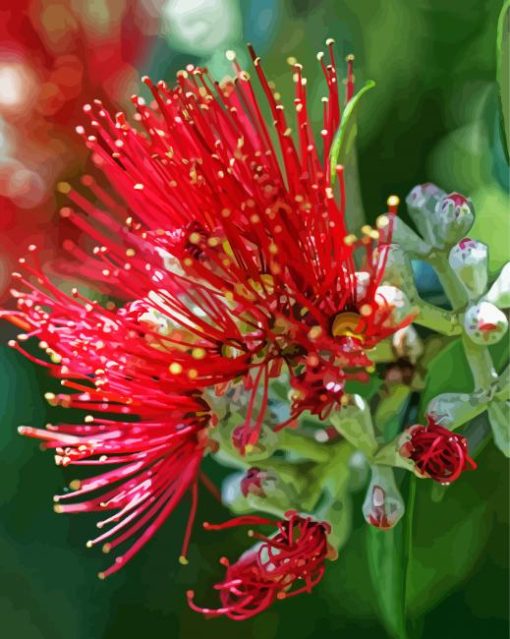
(437, 452)
(286, 564)
(233, 262)
(239, 240)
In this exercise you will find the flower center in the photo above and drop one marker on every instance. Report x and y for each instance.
(348, 324)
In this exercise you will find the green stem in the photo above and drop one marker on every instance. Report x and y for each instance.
(408, 538)
(437, 319)
(305, 447)
(449, 281)
(478, 357)
(480, 363)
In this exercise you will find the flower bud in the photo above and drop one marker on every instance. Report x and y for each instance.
(258, 489)
(407, 344)
(437, 452)
(421, 203)
(468, 259)
(485, 323)
(258, 482)
(499, 292)
(266, 444)
(455, 216)
(383, 506)
(393, 307)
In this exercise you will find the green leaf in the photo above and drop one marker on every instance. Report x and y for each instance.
(503, 72)
(448, 371)
(388, 559)
(343, 151)
(343, 143)
(499, 414)
(450, 536)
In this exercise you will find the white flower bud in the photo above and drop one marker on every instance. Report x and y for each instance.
(455, 216)
(421, 203)
(485, 323)
(393, 305)
(383, 506)
(468, 259)
(407, 344)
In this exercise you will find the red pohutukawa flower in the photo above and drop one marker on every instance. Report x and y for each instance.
(437, 452)
(227, 251)
(233, 229)
(284, 565)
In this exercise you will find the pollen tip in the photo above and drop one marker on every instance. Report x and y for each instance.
(190, 594)
(101, 576)
(250, 533)
(350, 57)
(230, 55)
(206, 525)
(330, 41)
(58, 509)
(63, 187)
(183, 560)
(89, 544)
(393, 201)
(106, 548)
(75, 484)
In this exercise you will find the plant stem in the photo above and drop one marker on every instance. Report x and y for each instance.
(480, 363)
(408, 538)
(451, 285)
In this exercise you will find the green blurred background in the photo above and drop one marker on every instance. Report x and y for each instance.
(432, 117)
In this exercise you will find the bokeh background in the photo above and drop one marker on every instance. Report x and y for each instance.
(432, 117)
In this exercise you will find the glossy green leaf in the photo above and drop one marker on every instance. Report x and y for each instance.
(503, 71)
(388, 558)
(450, 535)
(499, 418)
(345, 137)
(449, 372)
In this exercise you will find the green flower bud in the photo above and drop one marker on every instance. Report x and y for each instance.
(421, 204)
(454, 216)
(468, 259)
(383, 506)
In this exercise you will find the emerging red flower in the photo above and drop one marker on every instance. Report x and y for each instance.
(437, 452)
(284, 565)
